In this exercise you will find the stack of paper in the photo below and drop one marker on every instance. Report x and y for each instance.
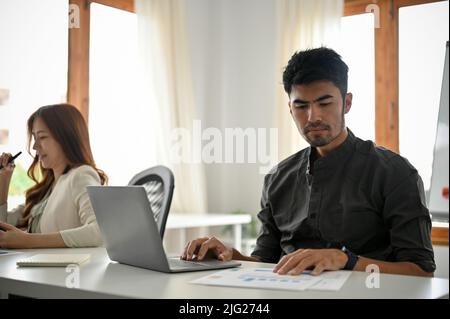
(265, 278)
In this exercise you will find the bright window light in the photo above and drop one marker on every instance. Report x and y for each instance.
(358, 51)
(33, 73)
(423, 33)
(121, 137)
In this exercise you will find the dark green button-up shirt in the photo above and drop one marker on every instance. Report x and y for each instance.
(360, 195)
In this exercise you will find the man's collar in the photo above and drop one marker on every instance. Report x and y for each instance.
(332, 158)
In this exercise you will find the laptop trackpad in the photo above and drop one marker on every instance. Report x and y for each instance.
(177, 263)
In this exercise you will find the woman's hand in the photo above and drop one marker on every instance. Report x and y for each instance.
(12, 237)
(7, 168)
(5, 176)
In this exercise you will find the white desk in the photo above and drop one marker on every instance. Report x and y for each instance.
(185, 221)
(100, 278)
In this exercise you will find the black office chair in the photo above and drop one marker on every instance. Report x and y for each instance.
(158, 182)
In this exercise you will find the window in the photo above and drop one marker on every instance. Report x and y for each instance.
(33, 64)
(357, 50)
(423, 33)
(121, 138)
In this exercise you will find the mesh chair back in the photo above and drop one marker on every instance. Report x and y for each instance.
(158, 182)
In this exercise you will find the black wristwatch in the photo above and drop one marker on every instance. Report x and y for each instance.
(352, 259)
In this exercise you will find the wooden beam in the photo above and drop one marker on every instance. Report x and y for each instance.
(406, 3)
(439, 235)
(386, 76)
(78, 72)
(386, 65)
(352, 7)
(386, 68)
(127, 5)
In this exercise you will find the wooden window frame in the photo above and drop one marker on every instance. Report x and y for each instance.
(386, 66)
(127, 5)
(387, 77)
(78, 66)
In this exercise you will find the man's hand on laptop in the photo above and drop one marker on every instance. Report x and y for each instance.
(203, 248)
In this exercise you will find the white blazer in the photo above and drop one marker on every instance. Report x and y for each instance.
(68, 210)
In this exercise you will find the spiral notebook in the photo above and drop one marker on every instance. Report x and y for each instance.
(53, 260)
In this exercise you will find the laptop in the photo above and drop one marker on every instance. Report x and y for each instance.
(130, 232)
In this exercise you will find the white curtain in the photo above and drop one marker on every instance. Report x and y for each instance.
(167, 88)
(301, 24)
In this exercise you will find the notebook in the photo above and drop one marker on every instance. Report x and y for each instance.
(53, 260)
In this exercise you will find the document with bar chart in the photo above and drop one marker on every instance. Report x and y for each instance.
(258, 278)
(265, 278)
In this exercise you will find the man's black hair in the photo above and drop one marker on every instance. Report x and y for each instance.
(312, 65)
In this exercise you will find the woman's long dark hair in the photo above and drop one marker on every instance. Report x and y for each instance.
(68, 127)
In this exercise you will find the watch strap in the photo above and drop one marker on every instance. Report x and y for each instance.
(352, 259)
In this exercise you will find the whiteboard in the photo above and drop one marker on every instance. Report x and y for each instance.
(438, 199)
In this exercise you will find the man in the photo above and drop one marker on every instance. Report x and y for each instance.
(342, 203)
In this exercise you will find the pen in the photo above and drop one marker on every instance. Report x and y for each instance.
(11, 159)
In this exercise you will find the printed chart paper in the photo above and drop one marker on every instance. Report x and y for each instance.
(257, 278)
(265, 278)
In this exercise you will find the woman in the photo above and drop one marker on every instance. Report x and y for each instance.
(57, 210)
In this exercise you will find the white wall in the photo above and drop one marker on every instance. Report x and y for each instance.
(233, 61)
(441, 260)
